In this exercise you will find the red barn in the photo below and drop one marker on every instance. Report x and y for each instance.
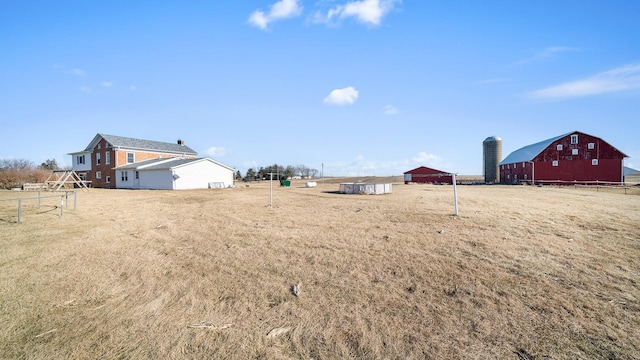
(574, 156)
(427, 175)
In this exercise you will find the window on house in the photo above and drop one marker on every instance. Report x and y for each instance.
(80, 159)
(574, 139)
(107, 157)
(559, 147)
(554, 163)
(515, 165)
(130, 158)
(137, 175)
(108, 179)
(98, 175)
(594, 161)
(525, 176)
(591, 146)
(124, 176)
(98, 145)
(98, 159)
(574, 151)
(515, 177)
(523, 164)
(508, 176)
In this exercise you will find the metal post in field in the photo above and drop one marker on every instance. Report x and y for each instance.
(61, 203)
(38, 199)
(270, 189)
(19, 209)
(455, 194)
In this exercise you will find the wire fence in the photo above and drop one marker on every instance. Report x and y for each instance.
(21, 201)
(626, 187)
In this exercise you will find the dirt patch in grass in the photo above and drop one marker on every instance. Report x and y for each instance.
(523, 272)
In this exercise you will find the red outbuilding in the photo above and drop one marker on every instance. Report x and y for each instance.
(427, 175)
(574, 156)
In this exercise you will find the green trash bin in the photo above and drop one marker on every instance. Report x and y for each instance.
(285, 183)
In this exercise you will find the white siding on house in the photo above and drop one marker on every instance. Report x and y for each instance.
(198, 175)
(128, 179)
(155, 179)
(174, 174)
(79, 167)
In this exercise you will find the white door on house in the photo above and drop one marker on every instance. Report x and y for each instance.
(136, 180)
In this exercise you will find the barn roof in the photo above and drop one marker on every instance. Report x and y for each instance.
(143, 145)
(529, 152)
(427, 169)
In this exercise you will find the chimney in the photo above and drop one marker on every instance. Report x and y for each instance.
(180, 142)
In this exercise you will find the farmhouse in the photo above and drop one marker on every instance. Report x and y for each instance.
(427, 175)
(574, 156)
(97, 161)
(174, 174)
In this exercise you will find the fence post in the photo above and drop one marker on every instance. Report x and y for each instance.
(455, 195)
(19, 209)
(38, 199)
(61, 203)
(74, 201)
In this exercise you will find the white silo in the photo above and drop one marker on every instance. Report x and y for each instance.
(492, 155)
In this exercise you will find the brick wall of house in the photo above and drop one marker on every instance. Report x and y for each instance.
(101, 175)
(140, 156)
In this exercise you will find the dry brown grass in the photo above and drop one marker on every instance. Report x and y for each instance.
(522, 273)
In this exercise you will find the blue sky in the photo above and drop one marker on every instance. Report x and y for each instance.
(361, 87)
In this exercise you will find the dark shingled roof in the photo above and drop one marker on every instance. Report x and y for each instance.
(170, 164)
(144, 145)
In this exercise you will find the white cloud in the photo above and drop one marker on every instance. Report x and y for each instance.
(216, 151)
(85, 89)
(106, 84)
(344, 96)
(426, 159)
(280, 10)
(76, 72)
(250, 164)
(493, 81)
(369, 12)
(546, 54)
(390, 110)
(360, 166)
(619, 79)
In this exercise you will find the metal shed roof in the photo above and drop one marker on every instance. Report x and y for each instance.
(165, 164)
(529, 152)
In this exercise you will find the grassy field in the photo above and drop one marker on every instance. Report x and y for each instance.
(522, 273)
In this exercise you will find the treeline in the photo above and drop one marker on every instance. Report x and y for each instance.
(15, 173)
(279, 172)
